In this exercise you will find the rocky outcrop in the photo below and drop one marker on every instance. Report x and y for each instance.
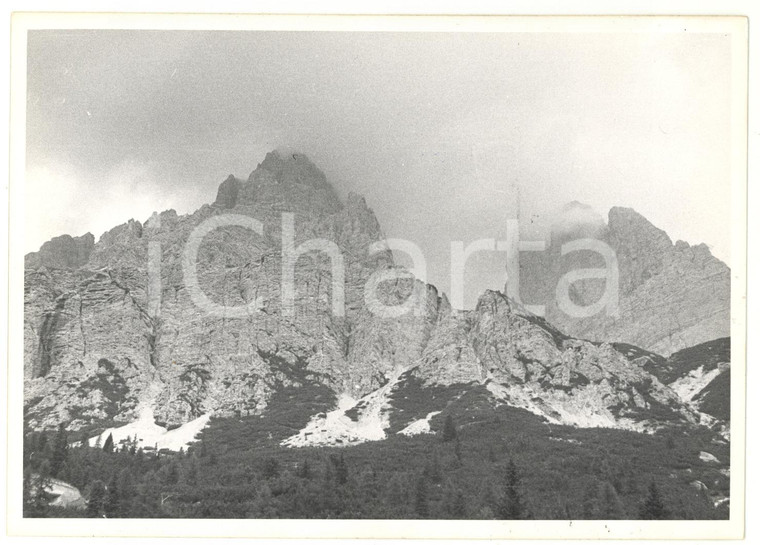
(227, 195)
(64, 252)
(670, 296)
(527, 362)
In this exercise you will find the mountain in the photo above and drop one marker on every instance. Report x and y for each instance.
(96, 352)
(701, 376)
(671, 296)
(116, 339)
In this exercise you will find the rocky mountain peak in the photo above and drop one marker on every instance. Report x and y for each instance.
(227, 194)
(628, 226)
(670, 296)
(282, 182)
(493, 301)
(290, 167)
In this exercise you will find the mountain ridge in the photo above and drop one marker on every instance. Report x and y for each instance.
(97, 356)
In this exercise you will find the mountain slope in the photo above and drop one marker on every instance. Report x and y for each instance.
(109, 342)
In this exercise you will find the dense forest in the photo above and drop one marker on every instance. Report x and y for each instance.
(481, 462)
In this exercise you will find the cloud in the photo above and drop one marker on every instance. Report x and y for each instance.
(58, 200)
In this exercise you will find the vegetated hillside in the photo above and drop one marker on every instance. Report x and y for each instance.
(706, 355)
(238, 469)
(701, 375)
(715, 398)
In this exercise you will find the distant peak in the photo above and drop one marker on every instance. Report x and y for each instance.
(278, 159)
(287, 153)
(290, 167)
(627, 222)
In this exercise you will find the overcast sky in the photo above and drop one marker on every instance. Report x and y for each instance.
(436, 130)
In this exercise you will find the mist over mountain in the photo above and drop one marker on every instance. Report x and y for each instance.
(671, 295)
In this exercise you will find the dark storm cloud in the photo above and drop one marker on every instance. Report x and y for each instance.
(436, 130)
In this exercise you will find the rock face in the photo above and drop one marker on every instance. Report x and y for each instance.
(528, 363)
(104, 340)
(64, 252)
(671, 296)
(128, 334)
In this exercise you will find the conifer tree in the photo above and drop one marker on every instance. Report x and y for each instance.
(433, 469)
(112, 502)
(590, 505)
(271, 468)
(127, 492)
(449, 429)
(454, 504)
(304, 471)
(341, 469)
(132, 443)
(36, 500)
(27, 491)
(421, 507)
(96, 503)
(60, 450)
(510, 505)
(653, 507)
(108, 445)
(612, 509)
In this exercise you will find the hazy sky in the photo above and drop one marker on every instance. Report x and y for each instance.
(436, 130)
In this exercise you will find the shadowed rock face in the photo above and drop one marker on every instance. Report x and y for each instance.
(671, 296)
(105, 340)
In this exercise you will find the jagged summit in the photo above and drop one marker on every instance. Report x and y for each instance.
(291, 167)
(284, 182)
(227, 194)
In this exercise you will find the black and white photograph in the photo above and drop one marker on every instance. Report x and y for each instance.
(463, 277)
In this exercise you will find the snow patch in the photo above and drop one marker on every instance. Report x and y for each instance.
(687, 387)
(150, 434)
(580, 410)
(419, 426)
(335, 428)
